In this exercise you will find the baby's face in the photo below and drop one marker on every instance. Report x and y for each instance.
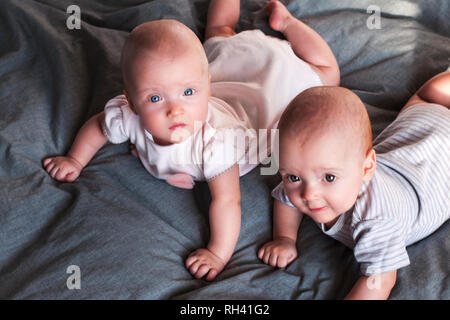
(170, 95)
(322, 176)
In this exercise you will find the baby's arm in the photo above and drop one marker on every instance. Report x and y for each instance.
(306, 43)
(282, 250)
(88, 141)
(225, 224)
(376, 287)
(435, 90)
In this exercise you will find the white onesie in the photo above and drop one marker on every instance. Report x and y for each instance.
(253, 79)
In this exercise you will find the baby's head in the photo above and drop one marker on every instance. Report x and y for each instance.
(325, 151)
(166, 79)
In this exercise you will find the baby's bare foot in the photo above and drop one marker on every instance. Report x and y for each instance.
(181, 180)
(279, 15)
(203, 262)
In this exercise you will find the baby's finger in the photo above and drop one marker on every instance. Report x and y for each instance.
(61, 174)
(49, 166)
(194, 267)
(211, 274)
(54, 171)
(190, 260)
(261, 252)
(273, 260)
(266, 256)
(71, 176)
(282, 262)
(46, 161)
(202, 270)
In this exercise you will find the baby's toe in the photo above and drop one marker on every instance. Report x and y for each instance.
(278, 15)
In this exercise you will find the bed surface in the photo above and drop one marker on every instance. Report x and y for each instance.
(130, 233)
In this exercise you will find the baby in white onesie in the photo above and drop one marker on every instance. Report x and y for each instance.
(195, 113)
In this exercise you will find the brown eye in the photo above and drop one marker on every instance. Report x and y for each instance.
(330, 178)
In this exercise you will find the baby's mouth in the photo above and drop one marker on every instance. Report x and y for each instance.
(177, 126)
(317, 209)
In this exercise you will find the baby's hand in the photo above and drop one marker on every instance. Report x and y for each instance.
(278, 253)
(63, 169)
(202, 262)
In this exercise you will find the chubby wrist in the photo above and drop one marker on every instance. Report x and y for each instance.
(285, 238)
(75, 161)
(222, 254)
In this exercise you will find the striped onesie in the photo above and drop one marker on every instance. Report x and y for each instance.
(407, 198)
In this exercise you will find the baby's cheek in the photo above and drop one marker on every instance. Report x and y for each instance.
(152, 124)
(298, 203)
(342, 202)
(201, 111)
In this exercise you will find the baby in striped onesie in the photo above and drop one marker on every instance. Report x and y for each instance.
(376, 200)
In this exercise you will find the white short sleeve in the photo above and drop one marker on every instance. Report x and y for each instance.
(222, 150)
(113, 124)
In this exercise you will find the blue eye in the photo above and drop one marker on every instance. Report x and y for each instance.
(155, 99)
(330, 178)
(293, 178)
(189, 92)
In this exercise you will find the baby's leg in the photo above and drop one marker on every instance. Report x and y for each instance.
(306, 43)
(435, 90)
(222, 18)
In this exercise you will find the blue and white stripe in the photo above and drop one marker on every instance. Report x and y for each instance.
(408, 196)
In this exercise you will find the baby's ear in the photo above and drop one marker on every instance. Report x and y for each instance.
(130, 104)
(370, 165)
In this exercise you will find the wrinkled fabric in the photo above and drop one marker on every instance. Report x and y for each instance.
(130, 233)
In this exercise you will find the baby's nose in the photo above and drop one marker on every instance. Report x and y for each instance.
(175, 110)
(310, 192)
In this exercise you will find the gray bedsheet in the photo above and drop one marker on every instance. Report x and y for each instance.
(130, 233)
